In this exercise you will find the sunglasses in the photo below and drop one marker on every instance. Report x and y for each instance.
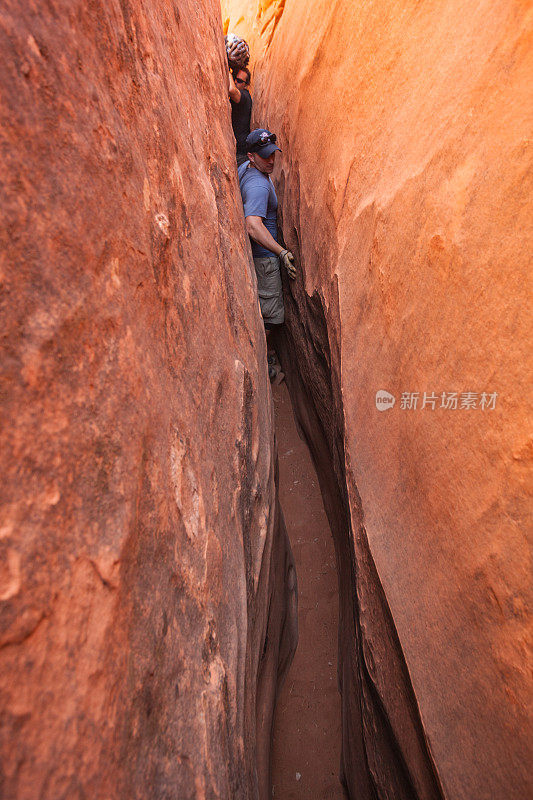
(267, 138)
(240, 80)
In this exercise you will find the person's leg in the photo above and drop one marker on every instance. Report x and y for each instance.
(271, 302)
(274, 367)
(270, 290)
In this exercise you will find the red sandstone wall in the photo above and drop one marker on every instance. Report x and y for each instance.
(406, 183)
(139, 530)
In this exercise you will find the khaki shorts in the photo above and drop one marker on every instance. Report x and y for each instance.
(269, 289)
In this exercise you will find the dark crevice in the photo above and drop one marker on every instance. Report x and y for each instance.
(280, 637)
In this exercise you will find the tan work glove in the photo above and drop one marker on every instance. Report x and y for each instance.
(287, 259)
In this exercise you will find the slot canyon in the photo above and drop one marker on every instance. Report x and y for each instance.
(149, 577)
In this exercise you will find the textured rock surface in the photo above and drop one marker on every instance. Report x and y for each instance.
(405, 182)
(145, 575)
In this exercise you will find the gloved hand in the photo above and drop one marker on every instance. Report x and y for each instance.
(237, 51)
(236, 48)
(287, 259)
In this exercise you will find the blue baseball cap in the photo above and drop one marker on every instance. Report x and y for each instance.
(261, 142)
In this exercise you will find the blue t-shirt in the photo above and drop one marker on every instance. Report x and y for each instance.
(259, 200)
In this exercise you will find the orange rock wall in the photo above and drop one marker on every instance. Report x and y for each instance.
(405, 183)
(143, 556)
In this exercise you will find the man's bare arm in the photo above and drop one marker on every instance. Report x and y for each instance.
(233, 92)
(259, 233)
(236, 49)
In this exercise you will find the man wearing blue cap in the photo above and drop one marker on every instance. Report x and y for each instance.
(260, 211)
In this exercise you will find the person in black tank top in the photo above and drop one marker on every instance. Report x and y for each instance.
(241, 110)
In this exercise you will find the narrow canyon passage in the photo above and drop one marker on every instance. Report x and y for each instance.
(307, 726)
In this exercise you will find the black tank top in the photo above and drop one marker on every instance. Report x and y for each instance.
(241, 114)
